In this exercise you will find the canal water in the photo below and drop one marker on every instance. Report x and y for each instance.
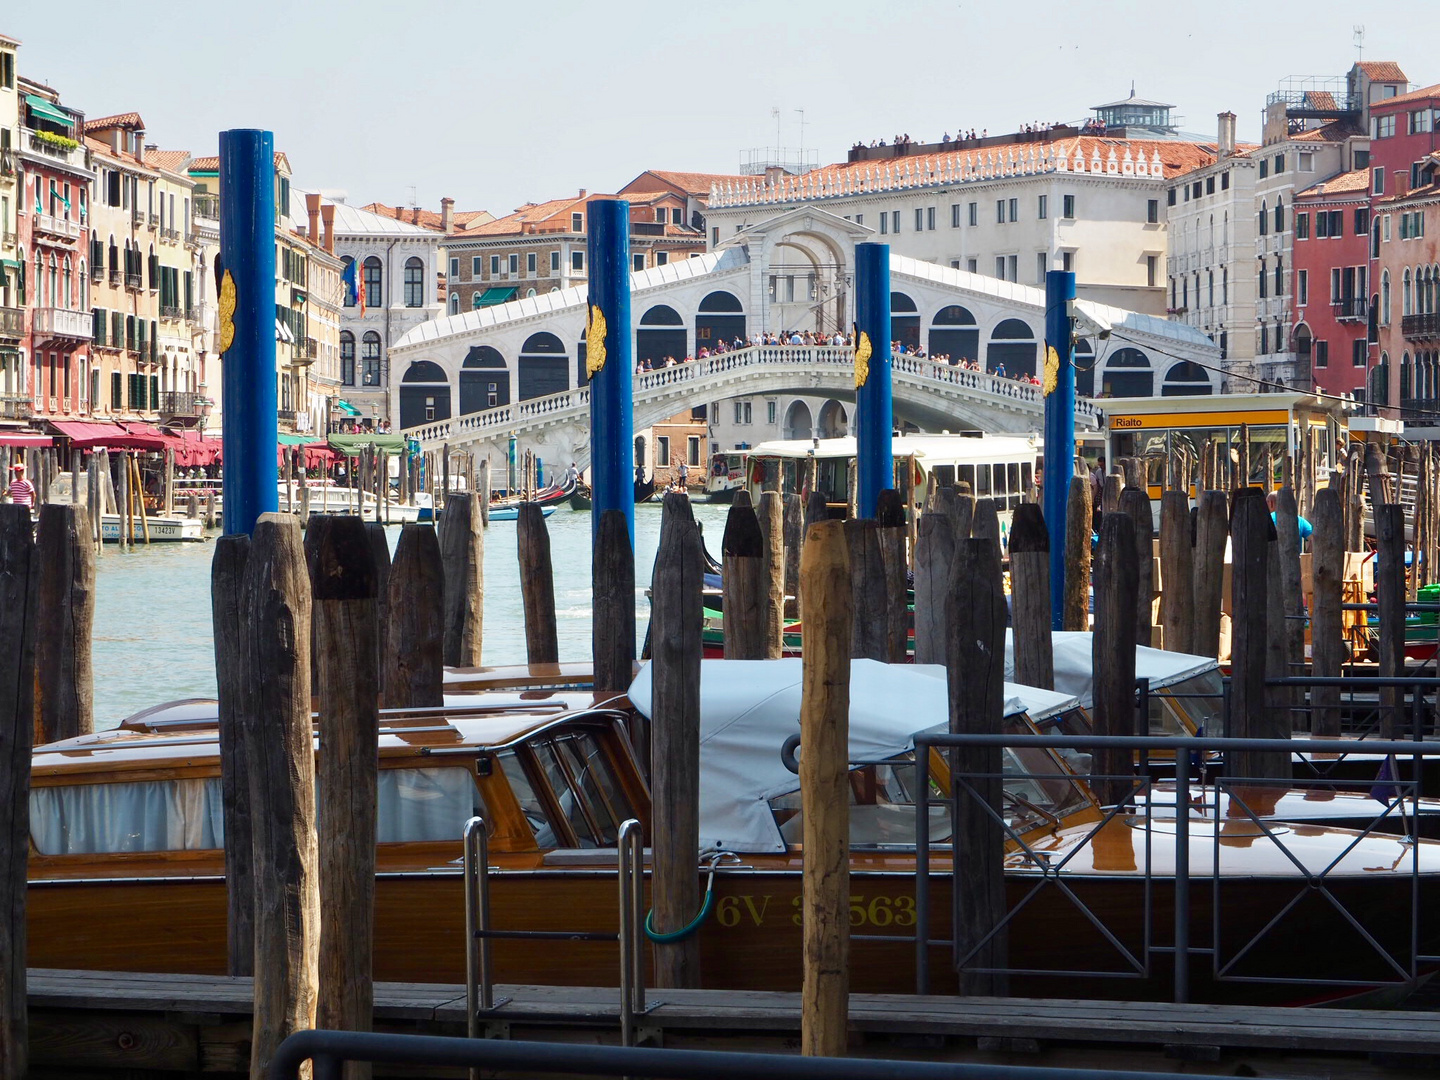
(153, 637)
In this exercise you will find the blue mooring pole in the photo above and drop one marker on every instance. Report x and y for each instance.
(1059, 427)
(874, 418)
(610, 364)
(247, 292)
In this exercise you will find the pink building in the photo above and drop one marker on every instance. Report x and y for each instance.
(1408, 320)
(53, 195)
(1330, 289)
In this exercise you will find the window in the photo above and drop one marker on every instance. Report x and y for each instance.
(1421, 121)
(954, 215)
(1377, 181)
(662, 451)
(1152, 264)
(1362, 220)
(1225, 181)
(1210, 185)
(884, 223)
(930, 218)
(577, 222)
(999, 211)
(859, 220)
(475, 264)
(577, 261)
(637, 261)
(1170, 197)
(554, 262)
(692, 450)
(661, 258)
(1302, 287)
(677, 215)
(347, 358)
(1042, 264)
(1264, 172)
(414, 282)
(1264, 328)
(1264, 218)
(1067, 261)
(530, 258)
(1279, 275)
(1279, 215)
(1382, 127)
(770, 407)
(1302, 226)
(714, 235)
(474, 301)
(739, 412)
(1321, 352)
(1012, 263)
(1357, 353)
(895, 222)
(1263, 281)
(1152, 212)
(370, 359)
(919, 219)
(454, 268)
(512, 264)
(972, 265)
(1334, 285)
(974, 213)
(374, 283)
(1067, 207)
(1014, 205)
(1000, 267)
(494, 266)
(1279, 164)
(1041, 207)
(454, 303)
(1305, 161)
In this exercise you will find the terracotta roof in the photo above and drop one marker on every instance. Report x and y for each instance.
(1320, 99)
(428, 219)
(173, 161)
(1348, 183)
(120, 120)
(1422, 94)
(1382, 71)
(212, 163)
(529, 217)
(693, 183)
(1334, 131)
(103, 148)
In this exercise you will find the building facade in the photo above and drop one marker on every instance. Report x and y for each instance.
(1330, 293)
(14, 400)
(54, 189)
(1407, 376)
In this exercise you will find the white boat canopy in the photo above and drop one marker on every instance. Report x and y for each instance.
(748, 708)
(1075, 670)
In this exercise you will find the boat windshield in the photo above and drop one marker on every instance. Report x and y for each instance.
(1039, 792)
(568, 791)
(1195, 704)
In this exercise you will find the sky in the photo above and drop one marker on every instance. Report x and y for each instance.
(497, 105)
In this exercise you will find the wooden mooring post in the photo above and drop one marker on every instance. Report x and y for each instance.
(1390, 605)
(770, 515)
(19, 616)
(1117, 581)
(380, 550)
(1135, 504)
(1211, 530)
(232, 677)
(934, 557)
(975, 661)
(676, 623)
(867, 589)
(893, 538)
(1292, 597)
(347, 633)
(1177, 573)
(794, 537)
(64, 684)
(276, 614)
(1327, 642)
(742, 554)
(412, 676)
(462, 551)
(612, 632)
(1251, 541)
(1030, 597)
(1079, 515)
(825, 792)
(537, 582)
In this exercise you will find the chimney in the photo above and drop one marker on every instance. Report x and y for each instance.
(327, 215)
(582, 193)
(312, 208)
(140, 146)
(1226, 140)
(447, 212)
(1402, 182)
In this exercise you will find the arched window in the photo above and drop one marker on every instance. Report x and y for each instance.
(475, 301)
(1264, 217)
(721, 301)
(424, 394)
(454, 303)
(1378, 384)
(1186, 379)
(1279, 215)
(347, 358)
(484, 380)
(720, 316)
(661, 315)
(1407, 303)
(543, 366)
(374, 275)
(1012, 349)
(414, 282)
(954, 333)
(661, 334)
(1385, 298)
(904, 320)
(349, 300)
(1405, 378)
(370, 359)
(1127, 374)
(67, 283)
(54, 291)
(798, 422)
(84, 288)
(114, 261)
(1212, 230)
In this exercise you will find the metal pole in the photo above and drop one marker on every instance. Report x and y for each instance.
(922, 866)
(479, 994)
(632, 978)
(1182, 876)
(609, 364)
(874, 417)
(1058, 385)
(247, 291)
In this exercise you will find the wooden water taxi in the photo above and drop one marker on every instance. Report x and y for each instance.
(127, 863)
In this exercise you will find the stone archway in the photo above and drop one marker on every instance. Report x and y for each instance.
(833, 422)
(798, 423)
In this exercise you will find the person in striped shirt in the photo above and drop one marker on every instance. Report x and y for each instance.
(22, 492)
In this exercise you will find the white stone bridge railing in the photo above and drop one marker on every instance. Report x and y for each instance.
(704, 380)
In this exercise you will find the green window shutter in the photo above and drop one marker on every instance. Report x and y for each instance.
(115, 391)
(154, 391)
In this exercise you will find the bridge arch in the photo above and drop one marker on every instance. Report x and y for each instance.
(1127, 374)
(544, 366)
(904, 320)
(833, 422)
(1186, 379)
(424, 394)
(661, 333)
(484, 380)
(955, 333)
(1084, 368)
(1013, 344)
(798, 422)
(721, 316)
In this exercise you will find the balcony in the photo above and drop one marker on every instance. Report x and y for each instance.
(15, 406)
(171, 311)
(184, 404)
(285, 415)
(207, 206)
(1421, 327)
(74, 156)
(7, 162)
(1351, 309)
(50, 225)
(137, 217)
(97, 272)
(12, 322)
(53, 323)
(306, 349)
(115, 278)
(8, 238)
(134, 281)
(170, 234)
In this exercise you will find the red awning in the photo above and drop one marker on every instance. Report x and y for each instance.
(24, 438)
(86, 434)
(194, 450)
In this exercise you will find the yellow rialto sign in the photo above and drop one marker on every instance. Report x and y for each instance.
(1205, 419)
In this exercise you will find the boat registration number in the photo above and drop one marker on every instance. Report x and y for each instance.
(731, 911)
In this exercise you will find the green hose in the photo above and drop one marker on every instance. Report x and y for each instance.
(692, 926)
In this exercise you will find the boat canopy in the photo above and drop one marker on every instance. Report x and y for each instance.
(929, 450)
(748, 708)
(1075, 670)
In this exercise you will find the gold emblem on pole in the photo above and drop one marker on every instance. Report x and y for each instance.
(863, 352)
(227, 312)
(594, 341)
(1052, 371)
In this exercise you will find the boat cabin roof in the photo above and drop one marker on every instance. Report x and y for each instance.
(929, 450)
(748, 708)
(1075, 670)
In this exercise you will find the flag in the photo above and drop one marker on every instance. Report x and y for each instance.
(350, 280)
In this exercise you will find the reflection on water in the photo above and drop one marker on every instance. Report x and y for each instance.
(153, 640)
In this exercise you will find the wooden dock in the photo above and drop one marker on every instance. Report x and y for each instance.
(191, 1024)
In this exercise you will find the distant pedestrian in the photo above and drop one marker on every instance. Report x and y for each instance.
(22, 492)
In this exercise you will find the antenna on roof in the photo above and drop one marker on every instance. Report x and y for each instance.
(1132, 88)
(1357, 32)
(775, 112)
(802, 133)
(412, 196)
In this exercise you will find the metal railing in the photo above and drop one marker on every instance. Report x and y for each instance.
(182, 403)
(480, 1003)
(12, 321)
(1406, 969)
(328, 1051)
(16, 406)
(1350, 307)
(1420, 326)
